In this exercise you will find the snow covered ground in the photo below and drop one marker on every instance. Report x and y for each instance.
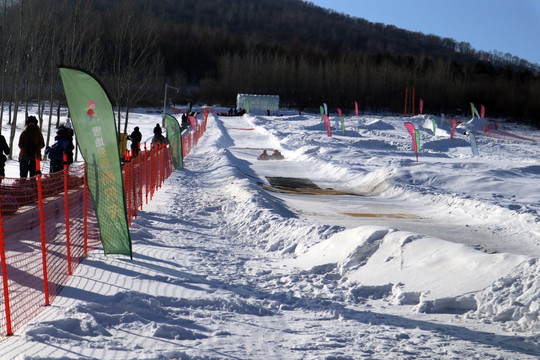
(346, 249)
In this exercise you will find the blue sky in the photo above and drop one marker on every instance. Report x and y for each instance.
(510, 26)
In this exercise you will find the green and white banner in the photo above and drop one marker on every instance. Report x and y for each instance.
(175, 139)
(92, 117)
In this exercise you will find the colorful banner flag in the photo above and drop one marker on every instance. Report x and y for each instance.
(174, 134)
(327, 125)
(322, 113)
(434, 126)
(474, 147)
(341, 120)
(92, 117)
(417, 138)
(454, 124)
(193, 122)
(474, 111)
(412, 131)
(325, 108)
(442, 120)
(356, 108)
(421, 106)
(482, 112)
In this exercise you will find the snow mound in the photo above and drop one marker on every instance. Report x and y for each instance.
(514, 299)
(436, 276)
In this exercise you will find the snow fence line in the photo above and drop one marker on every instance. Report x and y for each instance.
(48, 225)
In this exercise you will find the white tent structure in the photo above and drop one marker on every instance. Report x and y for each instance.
(257, 102)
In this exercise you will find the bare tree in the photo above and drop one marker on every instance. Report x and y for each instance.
(17, 71)
(7, 48)
(136, 62)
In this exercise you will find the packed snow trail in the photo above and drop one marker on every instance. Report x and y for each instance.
(207, 282)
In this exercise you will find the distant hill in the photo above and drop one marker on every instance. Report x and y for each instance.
(308, 54)
(213, 49)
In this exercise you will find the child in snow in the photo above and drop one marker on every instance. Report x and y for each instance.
(276, 155)
(56, 152)
(263, 156)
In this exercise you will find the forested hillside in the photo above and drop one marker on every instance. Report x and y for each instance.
(214, 49)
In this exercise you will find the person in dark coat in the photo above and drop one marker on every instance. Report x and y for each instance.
(158, 137)
(135, 137)
(185, 121)
(276, 155)
(56, 152)
(30, 144)
(4, 149)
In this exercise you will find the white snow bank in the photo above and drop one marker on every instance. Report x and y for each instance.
(437, 275)
(513, 299)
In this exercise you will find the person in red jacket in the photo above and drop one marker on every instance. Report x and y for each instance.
(30, 144)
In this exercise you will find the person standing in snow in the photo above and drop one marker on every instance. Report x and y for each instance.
(56, 152)
(158, 137)
(136, 138)
(30, 144)
(4, 149)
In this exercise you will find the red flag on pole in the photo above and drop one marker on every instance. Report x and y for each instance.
(327, 125)
(412, 131)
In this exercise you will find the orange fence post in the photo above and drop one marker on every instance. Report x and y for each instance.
(152, 171)
(42, 230)
(146, 173)
(405, 110)
(126, 186)
(162, 166)
(5, 278)
(140, 177)
(134, 190)
(66, 207)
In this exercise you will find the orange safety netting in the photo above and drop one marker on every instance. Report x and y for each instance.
(43, 237)
(191, 138)
(48, 225)
(143, 175)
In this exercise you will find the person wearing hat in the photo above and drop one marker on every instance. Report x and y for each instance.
(57, 150)
(136, 138)
(158, 137)
(30, 144)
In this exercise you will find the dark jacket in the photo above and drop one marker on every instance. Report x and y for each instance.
(135, 137)
(4, 149)
(31, 141)
(56, 152)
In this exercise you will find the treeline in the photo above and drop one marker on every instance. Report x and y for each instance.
(214, 49)
(378, 83)
(111, 41)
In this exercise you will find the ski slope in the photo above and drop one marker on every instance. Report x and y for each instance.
(346, 249)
